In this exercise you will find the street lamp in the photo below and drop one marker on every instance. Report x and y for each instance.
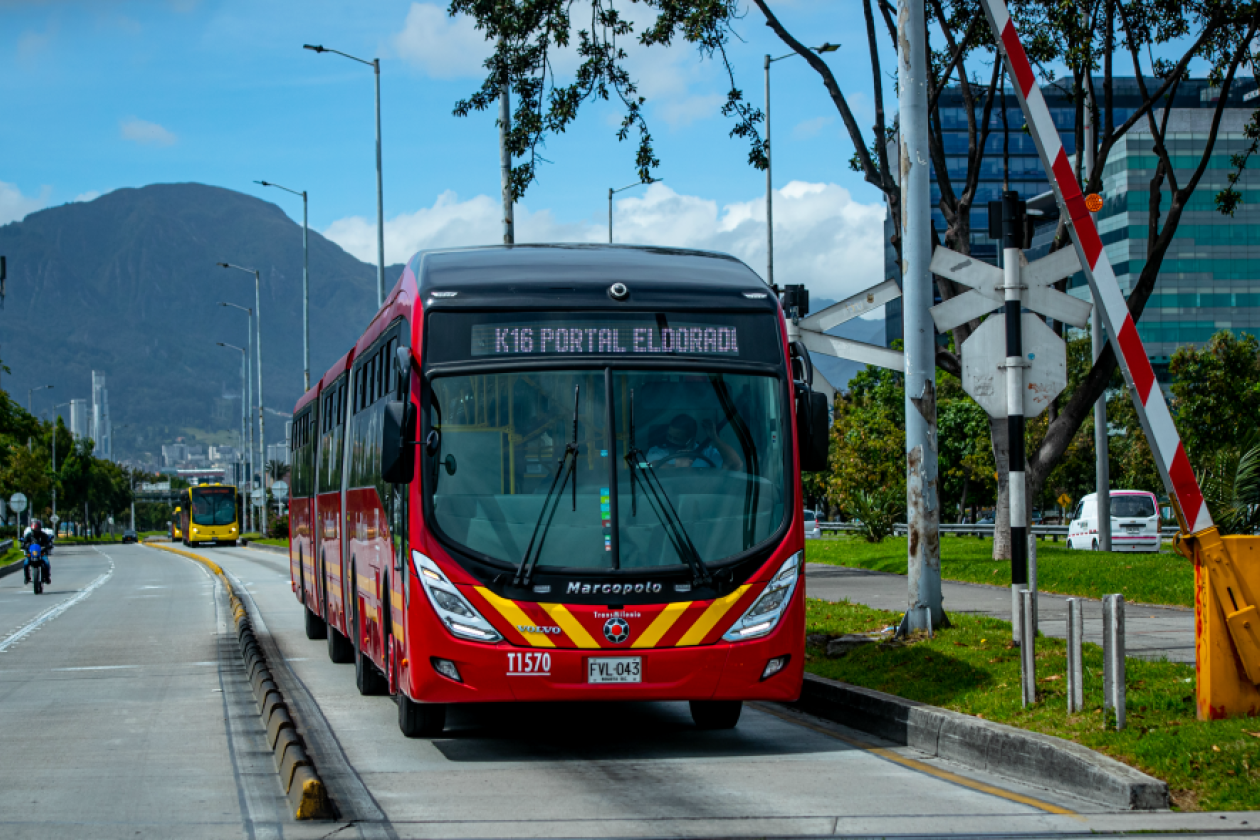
(247, 442)
(262, 432)
(306, 289)
(244, 410)
(29, 393)
(375, 64)
(612, 192)
(54, 463)
(825, 48)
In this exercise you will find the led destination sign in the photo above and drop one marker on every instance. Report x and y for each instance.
(603, 338)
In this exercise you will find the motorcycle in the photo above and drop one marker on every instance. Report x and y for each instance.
(37, 566)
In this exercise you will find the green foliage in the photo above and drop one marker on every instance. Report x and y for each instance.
(868, 441)
(278, 527)
(877, 510)
(965, 452)
(1231, 487)
(970, 668)
(1214, 388)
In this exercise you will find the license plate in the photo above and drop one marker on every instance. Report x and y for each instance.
(619, 669)
(1132, 529)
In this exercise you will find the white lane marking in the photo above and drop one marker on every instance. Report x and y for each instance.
(54, 611)
(97, 668)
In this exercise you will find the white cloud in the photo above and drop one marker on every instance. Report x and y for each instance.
(441, 46)
(14, 206)
(823, 238)
(90, 195)
(811, 128)
(146, 133)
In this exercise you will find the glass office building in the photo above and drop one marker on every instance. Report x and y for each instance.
(1210, 277)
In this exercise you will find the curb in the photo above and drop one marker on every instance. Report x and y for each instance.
(10, 569)
(271, 549)
(1033, 758)
(306, 792)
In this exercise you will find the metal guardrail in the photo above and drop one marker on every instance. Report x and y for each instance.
(976, 530)
(5, 546)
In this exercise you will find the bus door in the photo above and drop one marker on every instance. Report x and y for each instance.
(328, 502)
(303, 562)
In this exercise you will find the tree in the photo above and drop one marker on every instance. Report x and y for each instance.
(278, 470)
(868, 440)
(1214, 33)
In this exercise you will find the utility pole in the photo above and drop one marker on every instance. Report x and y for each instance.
(1012, 233)
(505, 161)
(769, 188)
(924, 608)
(1102, 455)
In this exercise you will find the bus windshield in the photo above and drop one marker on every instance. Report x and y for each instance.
(636, 462)
(213, 506)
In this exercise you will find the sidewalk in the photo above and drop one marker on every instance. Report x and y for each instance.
(1150, 632)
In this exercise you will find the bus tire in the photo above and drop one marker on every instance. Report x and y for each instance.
(420, 720)
(339, 649)
(367, 678)
(316, 627)
(716, 714)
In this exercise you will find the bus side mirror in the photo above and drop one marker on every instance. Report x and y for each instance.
(398, 442)
(813, 431)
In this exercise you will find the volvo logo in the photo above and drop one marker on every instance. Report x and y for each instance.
(576, 588)
(617, 630)
(533, 628)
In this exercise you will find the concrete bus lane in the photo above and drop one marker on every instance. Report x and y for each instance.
(625, 770)
(126, 713)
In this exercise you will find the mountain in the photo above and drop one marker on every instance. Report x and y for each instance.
(128, 285)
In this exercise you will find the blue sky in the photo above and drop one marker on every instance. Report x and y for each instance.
(102, 95)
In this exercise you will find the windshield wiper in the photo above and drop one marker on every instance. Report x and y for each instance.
(525, 571)
(661, 505)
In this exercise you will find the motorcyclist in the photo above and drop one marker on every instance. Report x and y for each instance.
(37, 534)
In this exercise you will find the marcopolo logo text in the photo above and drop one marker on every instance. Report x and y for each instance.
(648, 587)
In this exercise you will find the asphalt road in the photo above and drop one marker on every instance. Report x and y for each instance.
(124, 713)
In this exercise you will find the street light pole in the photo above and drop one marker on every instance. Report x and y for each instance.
(825, 48)
(306, 273)
(612, 192)
(29, 394)
(262, 429)
(244, 415)
(247, 400)
(375, 64)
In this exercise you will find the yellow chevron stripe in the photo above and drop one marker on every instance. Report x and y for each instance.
(514, 616)
(710, 617)
(661, 624)
(570, 625)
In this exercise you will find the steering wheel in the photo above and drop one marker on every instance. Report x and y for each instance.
(693, 454)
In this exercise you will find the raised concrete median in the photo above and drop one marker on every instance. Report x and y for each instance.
(298, 777)
(1030, 757)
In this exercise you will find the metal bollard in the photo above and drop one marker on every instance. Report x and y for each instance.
(1017, 612)
(1075, 660)
(1113, 657)
(1027, 650)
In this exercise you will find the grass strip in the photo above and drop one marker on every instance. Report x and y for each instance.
(13, 555)
(254, 538)
(1163, 578)
(972, 668)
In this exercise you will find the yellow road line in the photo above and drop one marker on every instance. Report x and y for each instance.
(920, 766)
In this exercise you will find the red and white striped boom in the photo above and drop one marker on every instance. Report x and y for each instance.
(1152, 409)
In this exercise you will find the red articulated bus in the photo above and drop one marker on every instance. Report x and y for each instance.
(561, 473)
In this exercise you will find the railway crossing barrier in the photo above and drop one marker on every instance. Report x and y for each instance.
(1227, 568)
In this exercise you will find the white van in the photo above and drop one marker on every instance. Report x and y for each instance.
(1134, 522)
(812, 531)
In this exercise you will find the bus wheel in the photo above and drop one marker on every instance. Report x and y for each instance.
(339, 648)
(716, 714)
(367, 678)
(420, 720)
(316, 627)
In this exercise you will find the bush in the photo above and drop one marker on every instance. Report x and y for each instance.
(278, 527)
(877, 510)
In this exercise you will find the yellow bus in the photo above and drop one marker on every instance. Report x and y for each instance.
(177, 532)
(208, 515)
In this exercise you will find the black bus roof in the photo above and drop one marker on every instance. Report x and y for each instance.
(581, 275)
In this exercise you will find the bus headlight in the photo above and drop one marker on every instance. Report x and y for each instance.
(763, 616)
(459, 616)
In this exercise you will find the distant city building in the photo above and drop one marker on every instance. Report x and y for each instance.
(102, 430)
(1209, 278)
(224, 455)
(79, 419)
(174, 454)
